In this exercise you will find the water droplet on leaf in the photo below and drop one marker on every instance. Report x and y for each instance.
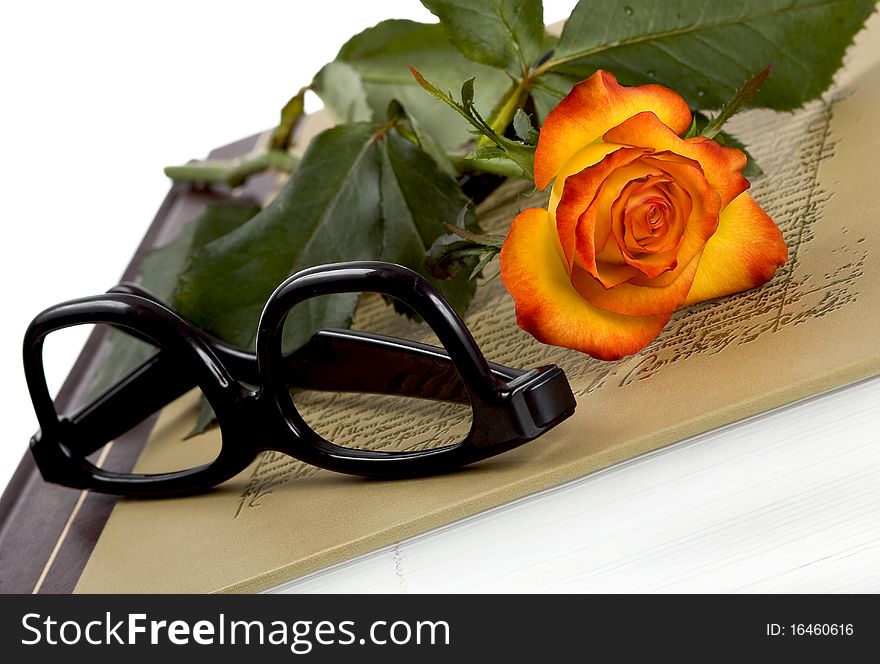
(628, 10)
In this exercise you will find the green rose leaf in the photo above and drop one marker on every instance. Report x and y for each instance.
(421, 137)
(343, 93)
(742, 97)
(508, 34)
(521, 155)
(293, 110)
(162, 268)
(362, 191)
(704, 49)
(522, 124)
(417, 201)
(326, 212)
(379, 56)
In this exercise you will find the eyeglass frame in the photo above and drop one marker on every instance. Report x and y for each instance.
(509, 406)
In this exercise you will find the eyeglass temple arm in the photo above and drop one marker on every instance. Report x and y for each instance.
(351, 361)
(146, 390)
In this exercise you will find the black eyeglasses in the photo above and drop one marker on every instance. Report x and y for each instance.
(251, 393)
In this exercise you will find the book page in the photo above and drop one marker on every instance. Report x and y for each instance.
(810, 329)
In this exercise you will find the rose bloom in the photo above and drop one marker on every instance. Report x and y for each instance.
(640, 222)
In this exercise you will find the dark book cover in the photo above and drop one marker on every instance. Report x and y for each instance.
(47, 532)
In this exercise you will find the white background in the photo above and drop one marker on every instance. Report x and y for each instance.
(96, 97)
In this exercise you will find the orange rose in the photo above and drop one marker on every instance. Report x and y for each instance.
(640, 222)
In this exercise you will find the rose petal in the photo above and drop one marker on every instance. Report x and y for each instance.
(721, 165)
(584, 158)
(578, 192)
(743, 253)
(664, 233)
(704, 206)
(594, 224)
(593, 107)
(650, 263)
(631, 300)
(611, 274)
(548, 306)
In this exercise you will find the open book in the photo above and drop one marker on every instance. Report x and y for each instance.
(811, 329)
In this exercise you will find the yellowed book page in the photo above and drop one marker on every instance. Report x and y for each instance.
(812, 328)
